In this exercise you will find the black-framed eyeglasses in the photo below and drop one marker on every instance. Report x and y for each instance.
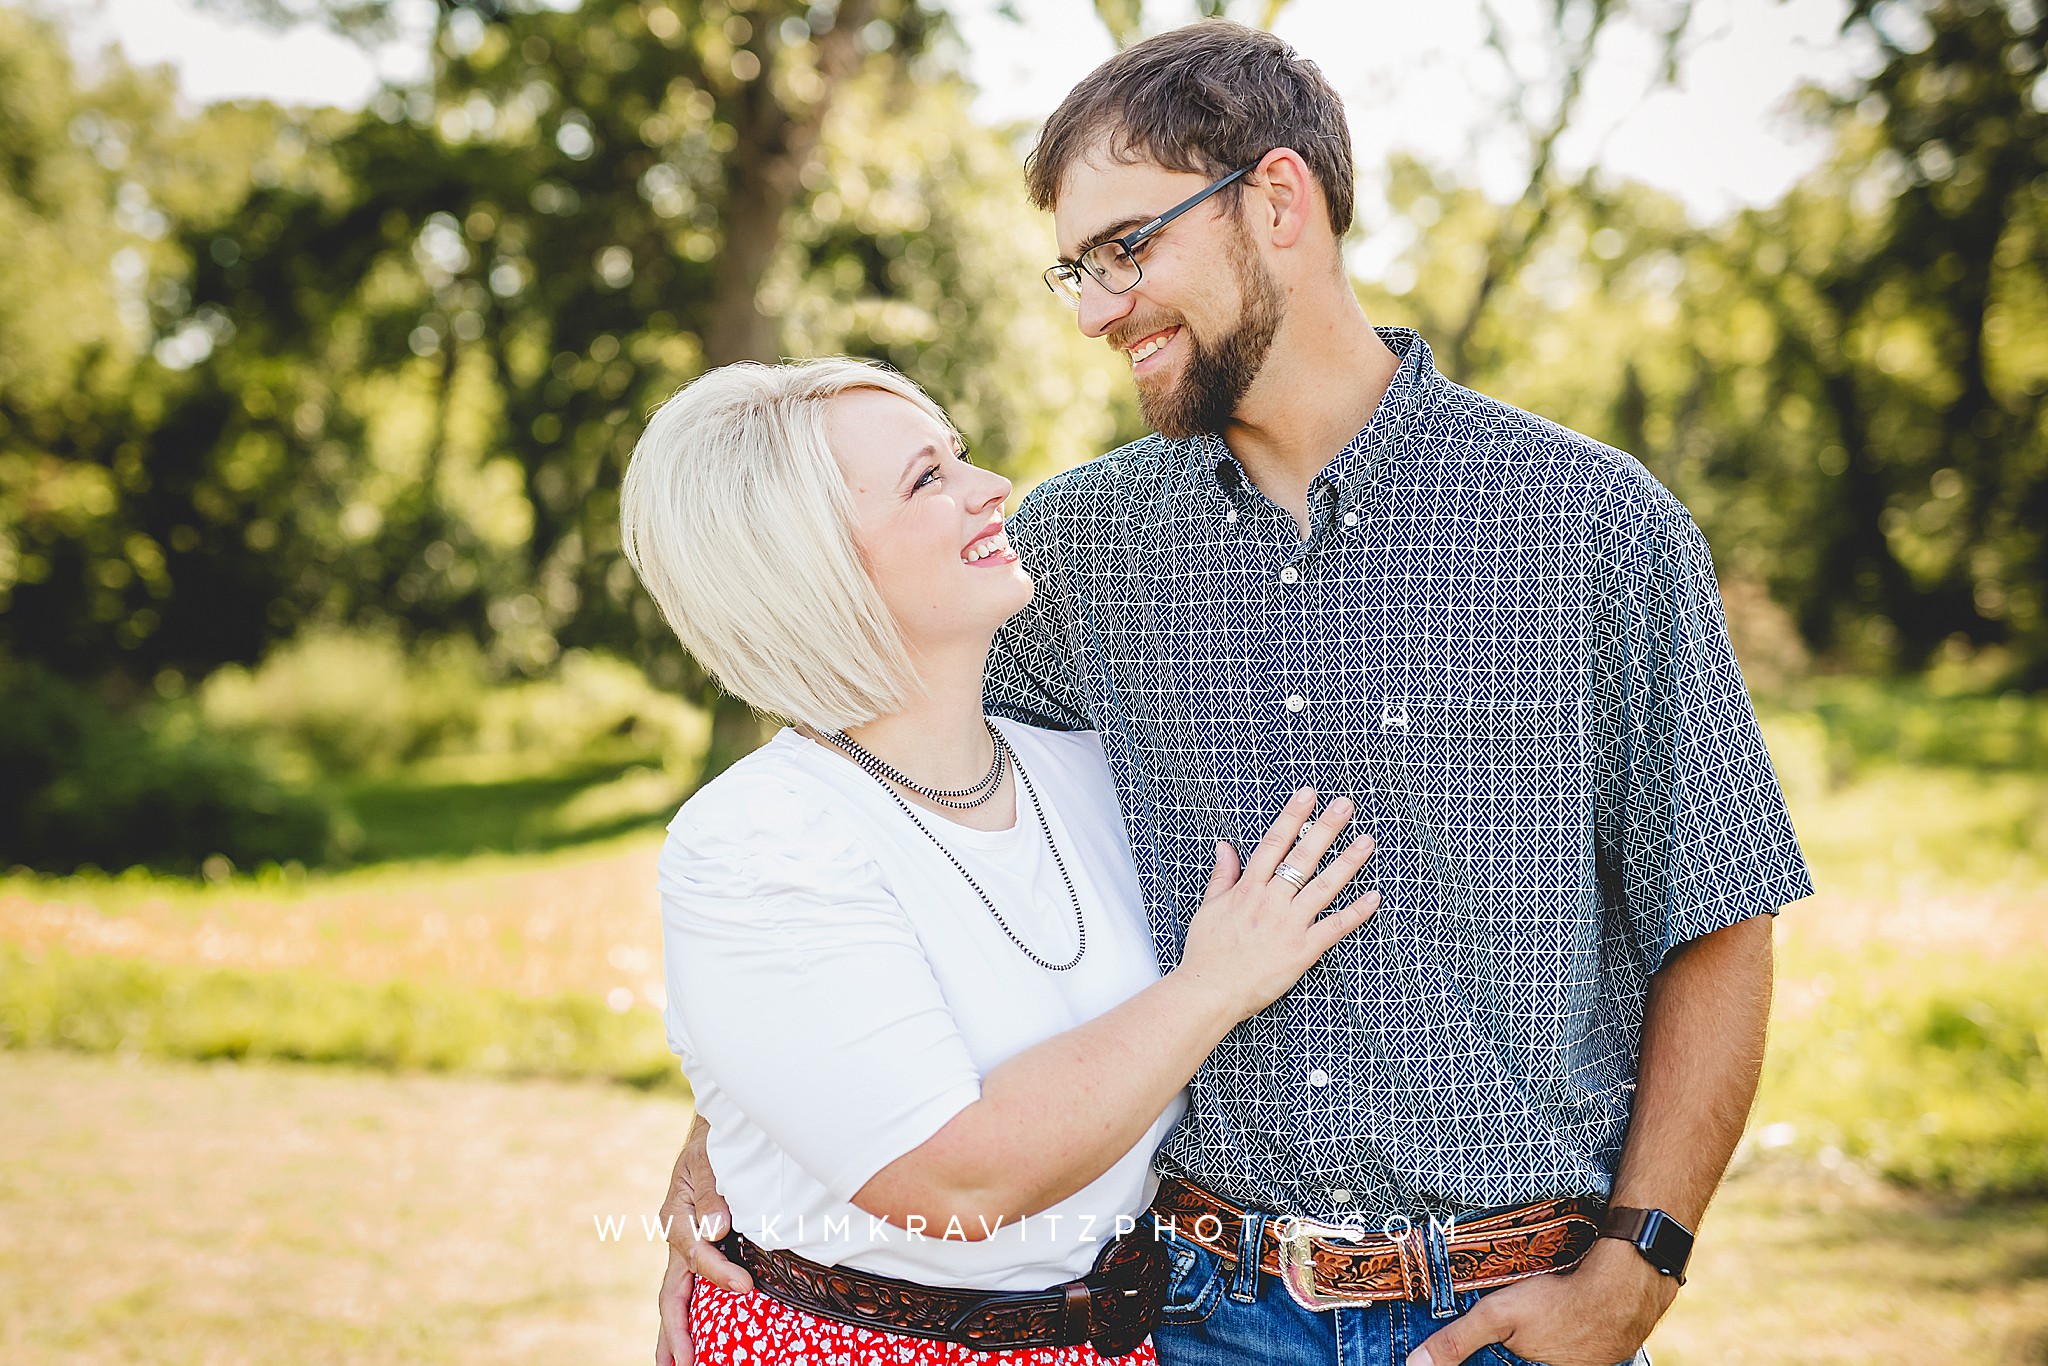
(1114, 264)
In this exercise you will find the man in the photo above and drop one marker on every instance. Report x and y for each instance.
(1332, 566)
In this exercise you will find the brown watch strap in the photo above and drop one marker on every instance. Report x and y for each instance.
(1625, 1222)
(1632, 1225)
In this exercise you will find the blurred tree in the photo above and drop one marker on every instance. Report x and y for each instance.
(401, 361)
(1846, 386)
(1545, 76)
(109, 495)
(1907, 296)
(1125, 19)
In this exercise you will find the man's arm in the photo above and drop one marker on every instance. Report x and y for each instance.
(1703, 1047)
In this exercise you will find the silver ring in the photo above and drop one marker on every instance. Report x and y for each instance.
(1292, 876)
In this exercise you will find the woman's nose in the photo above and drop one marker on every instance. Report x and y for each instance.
(998, 490)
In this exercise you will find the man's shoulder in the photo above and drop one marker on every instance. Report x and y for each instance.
(1121, 477)
(1534, 458)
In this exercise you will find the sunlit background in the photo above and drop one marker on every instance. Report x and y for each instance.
(335, 737)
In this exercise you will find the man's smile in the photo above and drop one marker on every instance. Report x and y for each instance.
(1149, 346)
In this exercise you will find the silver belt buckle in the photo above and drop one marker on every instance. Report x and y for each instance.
(1298, 1238)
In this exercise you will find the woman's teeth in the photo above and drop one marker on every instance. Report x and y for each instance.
(997, 544)
(1149, 345)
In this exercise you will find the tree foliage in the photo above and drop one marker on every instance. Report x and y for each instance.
(265, 369)
(387, 367)
(1845, 386)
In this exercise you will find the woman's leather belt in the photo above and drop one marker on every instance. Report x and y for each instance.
(1114, 1307)
(1327, 1266)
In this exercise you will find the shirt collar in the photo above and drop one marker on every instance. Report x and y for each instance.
(1359, 465)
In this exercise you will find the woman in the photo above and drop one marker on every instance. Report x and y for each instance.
(908, 970)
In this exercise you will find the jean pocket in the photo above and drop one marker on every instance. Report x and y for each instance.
(1194, 1283)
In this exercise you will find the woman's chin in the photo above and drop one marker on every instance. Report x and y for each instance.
(1011, 591)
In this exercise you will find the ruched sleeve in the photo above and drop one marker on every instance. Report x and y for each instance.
(798, 986)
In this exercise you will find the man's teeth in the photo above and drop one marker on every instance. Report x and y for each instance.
(987, 546)
(1147, 347)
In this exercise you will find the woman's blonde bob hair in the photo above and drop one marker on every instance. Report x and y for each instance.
(738, 521)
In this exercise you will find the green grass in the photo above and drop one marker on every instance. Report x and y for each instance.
(1931, 1071)
(1908, 1039)
(1872, 720)
(1911, 1028)
(446, 811)
(105, 1004)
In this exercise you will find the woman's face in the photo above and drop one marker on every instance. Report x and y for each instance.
(929, 524)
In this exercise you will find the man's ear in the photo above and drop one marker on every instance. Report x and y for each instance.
(1283, 197)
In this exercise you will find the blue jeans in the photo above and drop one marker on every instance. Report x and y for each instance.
(1218, 1316)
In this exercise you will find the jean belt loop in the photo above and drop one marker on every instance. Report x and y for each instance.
(1251, 1245)
(1443, 1301)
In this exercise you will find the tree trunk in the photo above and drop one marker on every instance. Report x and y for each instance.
(774, 144)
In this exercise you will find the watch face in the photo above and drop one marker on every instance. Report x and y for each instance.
(1665, 1243)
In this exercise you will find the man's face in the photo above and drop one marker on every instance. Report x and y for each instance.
(1198, 326)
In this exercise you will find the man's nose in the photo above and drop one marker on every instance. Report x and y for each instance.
(1100, 309)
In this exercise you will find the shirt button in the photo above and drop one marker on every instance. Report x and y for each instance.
(1290, 575)
(1296, 702)
(1230, 516)
(1319, 1078)
(1350, 519)
(1340, 1195)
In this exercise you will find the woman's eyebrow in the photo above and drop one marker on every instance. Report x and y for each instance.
(927, 452)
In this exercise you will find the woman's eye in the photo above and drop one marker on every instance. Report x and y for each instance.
(966, 453)
(927, 477)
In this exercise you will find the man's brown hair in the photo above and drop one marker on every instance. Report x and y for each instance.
(1205, 99)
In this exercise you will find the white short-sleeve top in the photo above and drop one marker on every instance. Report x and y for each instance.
(837, 991)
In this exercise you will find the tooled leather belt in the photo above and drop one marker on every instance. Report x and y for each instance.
(1114, 1307)
(1330, 1265)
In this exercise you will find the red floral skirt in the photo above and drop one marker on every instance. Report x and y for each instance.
(728, 1329)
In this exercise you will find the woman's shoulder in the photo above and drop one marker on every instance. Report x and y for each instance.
(752, 790)
(772, 817)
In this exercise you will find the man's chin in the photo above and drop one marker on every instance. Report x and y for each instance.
(1164, 409)
(1173, 420)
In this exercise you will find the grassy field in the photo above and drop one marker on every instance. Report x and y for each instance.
(256, 1213)
(253, 1213)
(1891, 1200)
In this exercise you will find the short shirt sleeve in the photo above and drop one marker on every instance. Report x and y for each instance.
(1692, 827)
(1032, 675)
(797, 985)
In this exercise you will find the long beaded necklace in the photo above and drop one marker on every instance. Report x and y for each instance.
(870, 763)
(960, 799)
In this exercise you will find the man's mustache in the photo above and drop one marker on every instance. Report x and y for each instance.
(1127, 334)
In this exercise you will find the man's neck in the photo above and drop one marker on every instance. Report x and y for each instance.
(1320, 386)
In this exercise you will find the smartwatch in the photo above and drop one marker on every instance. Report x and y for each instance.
(1664, 1242)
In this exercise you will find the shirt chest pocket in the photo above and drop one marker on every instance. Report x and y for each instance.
(1488, 793)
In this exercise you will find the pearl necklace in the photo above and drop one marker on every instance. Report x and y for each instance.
(878, 768)
(1044, 827)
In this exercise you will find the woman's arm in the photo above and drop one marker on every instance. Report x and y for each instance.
(1058, 1115)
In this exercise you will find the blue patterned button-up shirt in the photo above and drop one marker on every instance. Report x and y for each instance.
(1504, 641)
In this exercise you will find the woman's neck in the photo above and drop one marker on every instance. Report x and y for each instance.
(940, 739)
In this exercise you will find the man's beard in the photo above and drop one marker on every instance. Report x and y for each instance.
(1217, 376)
